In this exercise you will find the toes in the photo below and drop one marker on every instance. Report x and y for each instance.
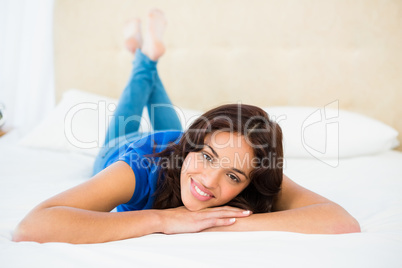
(132, 28)
(156, 11)
(157, 14)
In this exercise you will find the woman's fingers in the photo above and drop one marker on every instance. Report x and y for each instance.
(225, 214)
(227, 208)
(181, 220)
(214, 222)
(220, 217)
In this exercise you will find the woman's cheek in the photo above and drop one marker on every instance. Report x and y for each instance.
(189, 163)
(229, 192)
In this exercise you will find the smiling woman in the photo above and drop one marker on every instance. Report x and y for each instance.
(216, 177)
(223, 173)
(226, 156)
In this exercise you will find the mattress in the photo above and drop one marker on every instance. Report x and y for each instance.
(369, 187)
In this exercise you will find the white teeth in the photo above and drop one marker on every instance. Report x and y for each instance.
(198, 190)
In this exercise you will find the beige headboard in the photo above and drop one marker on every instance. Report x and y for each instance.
(263, 52)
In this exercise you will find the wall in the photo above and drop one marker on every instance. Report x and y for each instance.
(266, 53)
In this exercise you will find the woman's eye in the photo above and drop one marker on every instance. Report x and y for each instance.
(234, 178)
(207, 157)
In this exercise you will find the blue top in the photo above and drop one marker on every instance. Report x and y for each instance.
(146, 169)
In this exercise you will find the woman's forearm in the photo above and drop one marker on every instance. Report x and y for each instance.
(73, 225)
(324, 218)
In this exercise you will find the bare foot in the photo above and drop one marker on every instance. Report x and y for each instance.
(132, 35)
(153, 46)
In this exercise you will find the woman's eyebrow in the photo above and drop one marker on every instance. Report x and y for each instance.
(234, 169)
(213, 151)
(241, 172)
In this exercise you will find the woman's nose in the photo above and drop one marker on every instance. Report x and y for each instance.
(211, 179)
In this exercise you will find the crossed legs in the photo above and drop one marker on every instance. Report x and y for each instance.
(144, 87)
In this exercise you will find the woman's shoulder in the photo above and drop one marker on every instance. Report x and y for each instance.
(162, 137)
(156, 141)
(168, 135)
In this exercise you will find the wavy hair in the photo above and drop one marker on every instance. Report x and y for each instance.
(264, 136)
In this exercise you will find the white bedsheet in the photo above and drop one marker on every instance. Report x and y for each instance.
(369, 187)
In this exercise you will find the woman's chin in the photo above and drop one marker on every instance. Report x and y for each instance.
(192, 207)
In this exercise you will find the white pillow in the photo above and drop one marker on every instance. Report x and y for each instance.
(79, 123)
(329, 132)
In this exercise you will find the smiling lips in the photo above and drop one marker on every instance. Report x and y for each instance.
(200, 192)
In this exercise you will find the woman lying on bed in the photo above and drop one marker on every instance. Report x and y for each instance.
(222, 174)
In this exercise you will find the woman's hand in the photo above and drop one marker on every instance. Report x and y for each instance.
(182, 220)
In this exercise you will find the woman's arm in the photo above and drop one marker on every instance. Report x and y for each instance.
(298, 210)
(81, 214)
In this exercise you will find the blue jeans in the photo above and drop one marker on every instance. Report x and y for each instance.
(144, 88)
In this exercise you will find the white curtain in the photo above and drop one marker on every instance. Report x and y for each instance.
(26, 61)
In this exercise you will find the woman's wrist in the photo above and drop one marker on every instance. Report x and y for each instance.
(158, 220)
(143, 222)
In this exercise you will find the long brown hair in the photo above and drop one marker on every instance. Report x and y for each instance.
(264, 136)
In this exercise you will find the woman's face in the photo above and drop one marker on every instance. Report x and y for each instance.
(218, 173)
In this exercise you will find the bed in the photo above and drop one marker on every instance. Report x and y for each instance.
(339, 60)
(366, 183)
